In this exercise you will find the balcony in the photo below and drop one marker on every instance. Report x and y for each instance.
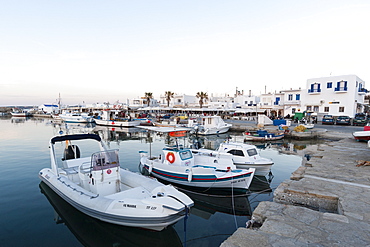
(362, 91)
(314, 91)
(292, 102)
(340, 89)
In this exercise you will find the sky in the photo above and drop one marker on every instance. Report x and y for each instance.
(91, 51)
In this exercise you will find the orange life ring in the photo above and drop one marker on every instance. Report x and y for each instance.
(170, 157)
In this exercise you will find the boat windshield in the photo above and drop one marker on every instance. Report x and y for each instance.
(185, 154)
(105, 159)
(252, 152)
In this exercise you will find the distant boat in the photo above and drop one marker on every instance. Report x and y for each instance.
(263, 135)
(209, 125)
(20, 113)
(76, 117)
(112, 118)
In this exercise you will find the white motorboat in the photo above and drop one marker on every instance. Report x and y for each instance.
(76, 117)
(20, 113)
(209, 125)
(113, 119)
(244, 156)
(98, 187)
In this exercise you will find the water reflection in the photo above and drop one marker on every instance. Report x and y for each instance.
(93, 232)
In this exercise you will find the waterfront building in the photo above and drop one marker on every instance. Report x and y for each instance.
(179, 100)
(272, 104)
(48, 108)
(291, 101)
(335, 95)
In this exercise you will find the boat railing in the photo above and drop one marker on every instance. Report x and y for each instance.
(104, 160)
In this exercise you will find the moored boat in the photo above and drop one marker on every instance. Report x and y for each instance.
(209, 125)
(362, 135)
(263, 135)
(244, 156)
(181, 167)
(115, 119)
(76, 117)
(98, 187)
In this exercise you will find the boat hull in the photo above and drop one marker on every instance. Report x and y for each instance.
(261, 169)
(263, 138)
(214, 131)
(199, 177)
(362, 135)
(113, 123)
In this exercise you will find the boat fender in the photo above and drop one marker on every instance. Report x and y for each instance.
(150, 168)
(190, 175)
(170, 157)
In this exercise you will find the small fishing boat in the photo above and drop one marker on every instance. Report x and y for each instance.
(178, 166)
(182, 167)
(115, 119)
(263, 135)
(20, 113)
(244, 156)
(209, 125)
(98, 187)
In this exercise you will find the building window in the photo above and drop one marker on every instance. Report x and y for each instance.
(290, 96)
(309, 108)
(341, 109)
(316, 108)
(329, 85)
(315, 88)
(341, 86)
(298, 97)
(326, 109)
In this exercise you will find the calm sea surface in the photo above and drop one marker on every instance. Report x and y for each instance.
(32, 215)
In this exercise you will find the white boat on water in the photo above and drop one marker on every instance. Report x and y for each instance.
(181, 166)
(113, 119)
(244, 156)
(98, 187)
(20, 113)
(209, 125)
(76, 117)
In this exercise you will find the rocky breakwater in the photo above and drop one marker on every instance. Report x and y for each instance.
(326, 202)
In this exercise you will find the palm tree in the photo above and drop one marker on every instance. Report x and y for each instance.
(202, 96)
(148, 97)
(169, 96)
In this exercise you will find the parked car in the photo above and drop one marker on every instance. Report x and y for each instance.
(360, 119)
(327, 119)
(346, 120)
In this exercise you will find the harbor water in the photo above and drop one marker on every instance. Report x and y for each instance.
(33, 215)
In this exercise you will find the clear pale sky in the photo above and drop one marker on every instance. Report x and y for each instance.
(104, 51)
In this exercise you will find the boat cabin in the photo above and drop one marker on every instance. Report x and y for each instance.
(241, 150)
(177, 156)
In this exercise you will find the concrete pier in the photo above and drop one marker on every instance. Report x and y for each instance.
(326, 201)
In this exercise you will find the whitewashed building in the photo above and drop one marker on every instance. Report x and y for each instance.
(335, 95)
(48, 108)
(291, 101)
(179, 100)
(272, 104)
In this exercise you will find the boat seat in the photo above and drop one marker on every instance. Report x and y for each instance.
(71, 170)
